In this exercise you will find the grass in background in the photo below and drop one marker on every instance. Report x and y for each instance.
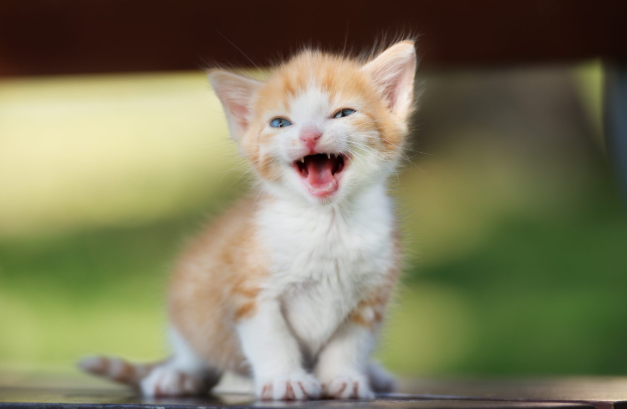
(512, 268)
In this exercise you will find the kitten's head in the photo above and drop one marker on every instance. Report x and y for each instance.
(322, 127)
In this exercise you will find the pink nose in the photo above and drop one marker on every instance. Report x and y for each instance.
(310, 138)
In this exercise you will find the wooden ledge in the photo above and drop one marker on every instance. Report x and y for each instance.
(575, 393)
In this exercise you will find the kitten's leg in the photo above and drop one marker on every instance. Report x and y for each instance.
(342, 364)
(275, 356)
(184, 374)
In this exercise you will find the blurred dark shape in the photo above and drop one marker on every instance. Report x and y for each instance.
(616, 119)
(41, 37)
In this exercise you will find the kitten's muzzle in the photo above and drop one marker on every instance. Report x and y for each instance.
(321, 173)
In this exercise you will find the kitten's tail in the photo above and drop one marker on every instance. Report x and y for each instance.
(116, 369)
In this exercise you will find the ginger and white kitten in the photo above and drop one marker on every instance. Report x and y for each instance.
(291, 284)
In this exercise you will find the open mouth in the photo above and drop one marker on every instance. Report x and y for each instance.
(321, 173)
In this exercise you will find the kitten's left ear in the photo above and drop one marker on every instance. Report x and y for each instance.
(393, 72)
(236, 93)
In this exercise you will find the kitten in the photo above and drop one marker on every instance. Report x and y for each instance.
(291, 284)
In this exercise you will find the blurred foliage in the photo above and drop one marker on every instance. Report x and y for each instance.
(516, 253)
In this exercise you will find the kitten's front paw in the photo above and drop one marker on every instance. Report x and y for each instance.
(296, 386)
(164, 381)
(347, 387)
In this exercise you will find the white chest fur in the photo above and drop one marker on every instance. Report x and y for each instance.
(325, 258)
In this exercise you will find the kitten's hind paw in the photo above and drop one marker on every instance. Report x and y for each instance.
(164, 381)
(296, 386)
(348, 387)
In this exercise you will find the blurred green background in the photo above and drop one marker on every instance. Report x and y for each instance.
(516, 232)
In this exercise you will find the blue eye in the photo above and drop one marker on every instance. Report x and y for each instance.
(344, 112)
(280, 123)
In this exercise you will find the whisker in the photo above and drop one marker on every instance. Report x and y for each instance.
(238, 49)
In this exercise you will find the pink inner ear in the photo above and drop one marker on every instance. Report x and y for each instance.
(241, 113)
(391, 95)
(394, 90)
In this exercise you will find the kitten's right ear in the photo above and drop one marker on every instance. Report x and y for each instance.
(236, 93)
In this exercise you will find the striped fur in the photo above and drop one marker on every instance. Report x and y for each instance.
(116, 369)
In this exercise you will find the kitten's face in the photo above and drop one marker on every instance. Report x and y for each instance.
(323, 127)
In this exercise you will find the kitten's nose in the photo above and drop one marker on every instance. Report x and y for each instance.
(310, 138)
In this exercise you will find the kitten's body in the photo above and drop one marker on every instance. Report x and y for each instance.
(291, 284)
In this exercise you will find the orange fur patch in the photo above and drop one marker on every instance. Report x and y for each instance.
(245, 310)
(215, 284)
(371, 309)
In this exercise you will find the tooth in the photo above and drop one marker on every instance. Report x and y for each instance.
(302, 160)
(330, 185)
(328, 155)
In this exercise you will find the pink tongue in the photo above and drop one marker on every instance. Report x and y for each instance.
(320, 172)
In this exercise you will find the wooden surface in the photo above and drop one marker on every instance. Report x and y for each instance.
(42, 37)
(575, 393)
(85, 399)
